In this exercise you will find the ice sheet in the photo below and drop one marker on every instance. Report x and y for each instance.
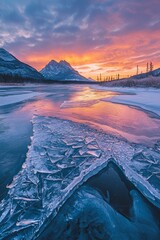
(6, 100)
(63, 155)
(148, 99)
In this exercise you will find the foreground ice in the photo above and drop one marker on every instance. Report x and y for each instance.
(86, 215)
(62, 156)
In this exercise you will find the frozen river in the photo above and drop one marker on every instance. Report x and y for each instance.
(103, 109)
(83, 103)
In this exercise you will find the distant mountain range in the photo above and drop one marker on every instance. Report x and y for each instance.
(61, 71)
(11, 66)
(11, 69)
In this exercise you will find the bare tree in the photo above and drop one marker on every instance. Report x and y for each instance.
(151, 66)
(147, 68)
(137, 69)
(100, 78)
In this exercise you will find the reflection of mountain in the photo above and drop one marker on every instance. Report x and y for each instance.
(61, 71)
(11, 66)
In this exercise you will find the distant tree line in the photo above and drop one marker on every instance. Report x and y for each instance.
(9, 78)
(111, 78)
(149, 69)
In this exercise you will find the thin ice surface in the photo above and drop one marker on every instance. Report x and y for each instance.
(61, 157)
(12, 99)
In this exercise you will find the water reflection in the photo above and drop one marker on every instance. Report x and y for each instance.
(87, 106)
(88, 94)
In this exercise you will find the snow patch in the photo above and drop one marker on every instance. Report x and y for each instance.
(4, 55)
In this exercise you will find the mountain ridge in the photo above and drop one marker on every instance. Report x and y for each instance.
(62, 71)
(11, 66)
(13, 70)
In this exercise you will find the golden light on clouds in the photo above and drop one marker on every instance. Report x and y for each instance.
(96, 37)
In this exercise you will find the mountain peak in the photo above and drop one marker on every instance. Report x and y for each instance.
(52, 62)
(66, 65)
(60, 64)
(61, 71)
(64, 62)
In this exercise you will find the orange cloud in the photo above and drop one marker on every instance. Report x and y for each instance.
(121, 56)
(98, 36)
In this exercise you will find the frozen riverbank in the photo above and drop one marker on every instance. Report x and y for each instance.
(145, 98)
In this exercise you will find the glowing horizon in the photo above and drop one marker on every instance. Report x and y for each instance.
(106, 37)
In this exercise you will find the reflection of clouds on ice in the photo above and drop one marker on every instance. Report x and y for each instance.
(85, 104)
(63, 155)
(89, 94)
(70, 104)
(87, 97)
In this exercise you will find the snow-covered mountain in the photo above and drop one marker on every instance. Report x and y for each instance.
(61, 71)
(11, 66)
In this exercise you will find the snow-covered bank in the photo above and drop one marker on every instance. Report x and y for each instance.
(147, 99)
(63, 155)
(137, 82)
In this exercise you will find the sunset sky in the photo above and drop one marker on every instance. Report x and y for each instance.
(95, 36)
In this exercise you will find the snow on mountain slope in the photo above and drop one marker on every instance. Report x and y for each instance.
(4, 55)
(61, 71)
(9, 65)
